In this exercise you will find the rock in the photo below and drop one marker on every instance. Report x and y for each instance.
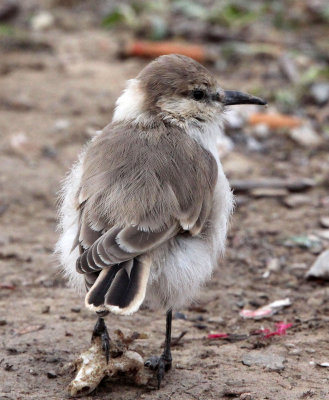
(273, 362)
(61, 124)
(305, 136)
(253, 144)
(268, 192)
(216, 320)
(323, 234)
(272, 265)
(237, 164)
(45, 309)
(297, 200)
(261, 131)
(42, 21)
(324, 221)
(21, 145)
(315, 302)
(51, 375)
(6, 389)
(32, 372)
(320, 269)
(76, 309)
(246, 396)
(49, 152)
(21, 102)
(320, 92)
(3, 322)
(310, 242)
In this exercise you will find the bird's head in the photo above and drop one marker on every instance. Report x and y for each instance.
(178, 90)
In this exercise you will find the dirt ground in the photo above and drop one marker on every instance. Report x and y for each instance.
(51, 102)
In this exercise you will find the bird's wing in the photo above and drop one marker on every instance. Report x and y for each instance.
(115, 274)
(138, 190)
(119, 245)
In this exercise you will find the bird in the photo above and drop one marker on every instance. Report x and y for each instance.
(145, 210)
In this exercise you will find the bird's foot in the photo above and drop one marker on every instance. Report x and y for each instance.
(100, 330)
(160, 365)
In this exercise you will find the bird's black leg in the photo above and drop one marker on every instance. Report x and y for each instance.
(100, 330)
(163, 363)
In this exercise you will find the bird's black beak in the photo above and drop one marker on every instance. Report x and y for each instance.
(232, 97)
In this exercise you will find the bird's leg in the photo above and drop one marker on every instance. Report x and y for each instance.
(100, 330)
(163, 363)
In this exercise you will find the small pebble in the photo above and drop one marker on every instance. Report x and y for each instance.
(216, 320)
(42, 21)
(297, 200)
(76, 309)
(179, 315)
(305, 136)
(270, 361)
(324, 221)
(51, 375)
(8, 367)
(320, 92)
(268, 192)
(200, 326)
(3, 322)
(314, 302)
(45, 309)
(6, 389)
(61, 124)
(32, 372)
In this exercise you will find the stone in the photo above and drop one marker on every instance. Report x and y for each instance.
(51, 375)
(261, 131)
(323, 234)
(315, 302)
(320, 92)
(216, 320)
(42, 21)
(61, 124)
(297, 200)
(45, 309)
(270, 361)
(237, 164)
(268, 192)
(305, 136)
(320, 268)
(324, 222)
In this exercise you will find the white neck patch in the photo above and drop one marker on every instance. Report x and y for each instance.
(129, 105)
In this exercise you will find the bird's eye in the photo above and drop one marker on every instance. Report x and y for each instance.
(198, 94)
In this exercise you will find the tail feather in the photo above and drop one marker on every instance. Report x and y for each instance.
(95, 297)
(121, 288)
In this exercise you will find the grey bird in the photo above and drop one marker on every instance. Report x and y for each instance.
(145, 210)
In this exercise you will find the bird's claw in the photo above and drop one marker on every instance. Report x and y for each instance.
(100, 330)
(160, 365)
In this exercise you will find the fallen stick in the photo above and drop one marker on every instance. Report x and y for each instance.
(293, 185)
(275, 121)
(148, 49)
